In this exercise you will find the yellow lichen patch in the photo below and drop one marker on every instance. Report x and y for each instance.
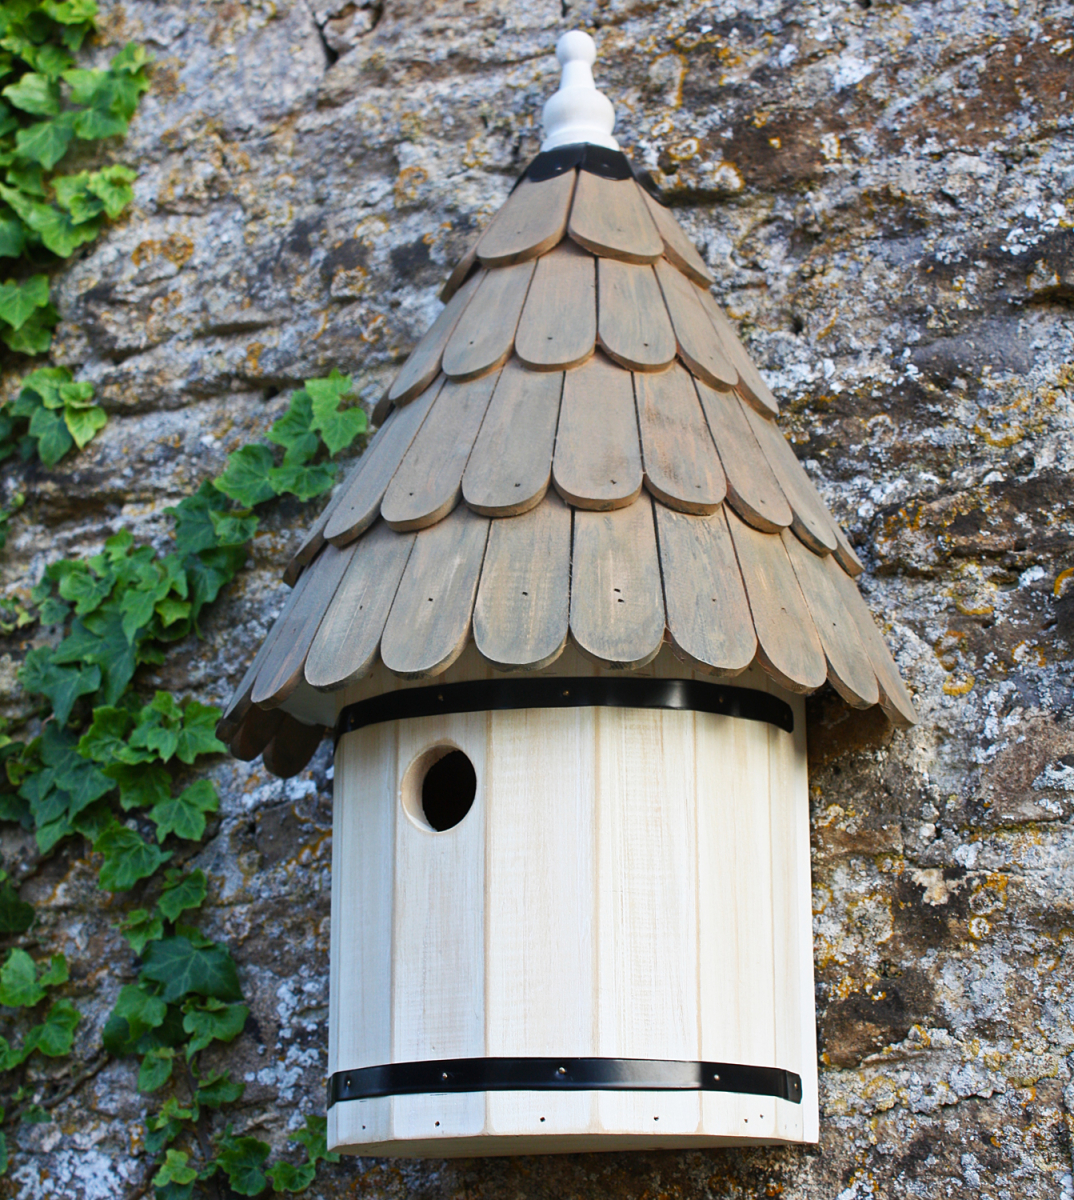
(946, 648)
(253, 357)
(177, 249)
(960, 685)
(407, 183)
(1061, 581)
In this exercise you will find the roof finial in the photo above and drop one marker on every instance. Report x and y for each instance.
(578, 112)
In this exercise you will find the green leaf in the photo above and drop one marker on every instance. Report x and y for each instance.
(184, 815)
(3, 1153)
(35, 336)
(84, 588)
(18, 300)
(315, 1138)
(127, 858)
(156, 1069)
(213, 1022)
(113, 187)
(84, 423)
(142, 785)
(182, 892)
(106, 738)
(294, 430)
(175, 1169)
(198, 734)
(56, 1036)
(35, 94)
(46, 143)
(16, 916)
(302, 481)
(140, 927)
(219, 1089)
(135, 1013)
(246, 477)
(286, 1177)
(62, 685)
(19, 986)
(12, 238)
(53, 437)
(337, 428)
(55, 973)
(184, 968)
(241, 1159)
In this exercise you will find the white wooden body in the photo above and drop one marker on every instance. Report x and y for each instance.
(630, 883)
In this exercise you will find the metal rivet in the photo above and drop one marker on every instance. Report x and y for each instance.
(445, 1076)
(716, 1078)
(561, 1070)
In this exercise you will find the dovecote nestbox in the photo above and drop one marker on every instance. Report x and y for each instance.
(561, 619)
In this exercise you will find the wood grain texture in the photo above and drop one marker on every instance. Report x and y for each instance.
(360, 496)
(347, 642)
(460, 272)
(430, 617)
(558, 326)
(609, 218)
(308, 549)
(678, 249)
(282, 669)
(751, 383)
(532, 220)
(485, 333)
(787, 644)
(428, 483)
(617, 603)
(438, 926)
(894, 698)
(708, 614)
(810, 519)
(849, 669)
(257, 728)
(522, 611)
(646, 906)
(633, 325)
(292, 747)
(597, 463)
(682, 468)
(423, 365)
(752, 488)
(699, 346)
(511, 463)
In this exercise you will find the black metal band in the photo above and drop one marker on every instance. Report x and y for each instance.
(561, 1075)
(597, 160)
(486, 695)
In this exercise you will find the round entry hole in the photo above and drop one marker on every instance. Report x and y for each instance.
(439, 788)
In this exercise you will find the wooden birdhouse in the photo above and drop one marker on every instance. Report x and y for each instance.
(560, 620)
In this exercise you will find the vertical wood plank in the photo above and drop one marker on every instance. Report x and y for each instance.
(423, 365)
(558, 326)
(438, 932)
(751, 384)
(646, 921)
(609, 217)
(485, 333)
(632, 322)
(678, 249)
(699, 345)
(597, 463)
(532, 220)
(540, 990)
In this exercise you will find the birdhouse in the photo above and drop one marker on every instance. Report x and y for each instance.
(560, 620)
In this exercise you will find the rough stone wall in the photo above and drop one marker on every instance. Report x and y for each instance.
(885, 192)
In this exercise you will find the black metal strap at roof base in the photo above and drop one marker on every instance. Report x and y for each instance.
(597, 160)
(440, 1076)
(487, 695)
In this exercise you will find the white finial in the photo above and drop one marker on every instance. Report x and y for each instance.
(578, 112)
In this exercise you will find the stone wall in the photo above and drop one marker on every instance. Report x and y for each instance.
(885, 192)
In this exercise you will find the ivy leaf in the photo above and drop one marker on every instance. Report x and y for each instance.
(315, 1138)
(184, 968)
(35, 94)
(62, 685)
(19, 986)
(158, 726)
(136, 1012)
(213, 1022)
(302, 481)
(35, 336)
(46, 143)
(12, 238)
(246, 477)
(70, 12)
(286, 1177)
(127, 858)
(142, 785)
(53, 437)
(18, 300)
(141, 927)
(182, 892)
(156, 1069)
(84, 423)
(337, 428)
(84, 588)
(106, 738)
(175, 1169)
(184, 815)
(198, 734)
(219, 1089)
(56, 1036)
(16, 916)
(55, 973)
(294, 430)
(113, 187)
(241, 1159)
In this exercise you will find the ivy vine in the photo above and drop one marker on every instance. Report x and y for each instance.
(99, 758)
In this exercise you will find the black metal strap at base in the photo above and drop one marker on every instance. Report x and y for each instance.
(440, 1076)
(597, 160)
(487, 695)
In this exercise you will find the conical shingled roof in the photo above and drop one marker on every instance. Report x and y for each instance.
(579, 447)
